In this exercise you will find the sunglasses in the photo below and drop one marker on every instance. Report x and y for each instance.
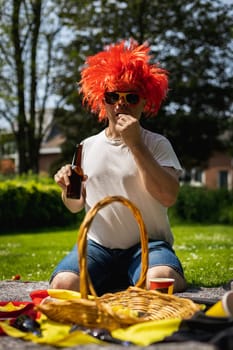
(113, 97)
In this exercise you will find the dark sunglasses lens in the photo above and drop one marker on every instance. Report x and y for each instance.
(133, 99)
(111, 97)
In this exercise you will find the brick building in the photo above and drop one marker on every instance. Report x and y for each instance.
(217, 174)
(50, 152)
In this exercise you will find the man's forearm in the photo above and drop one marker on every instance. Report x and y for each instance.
(74, 205)
(162, 183)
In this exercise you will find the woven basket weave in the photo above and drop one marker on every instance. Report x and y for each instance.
(121, 309)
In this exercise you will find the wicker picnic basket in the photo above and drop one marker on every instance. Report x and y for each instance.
(120, 309)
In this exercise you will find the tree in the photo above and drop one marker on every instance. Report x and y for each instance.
(192, 39)
(44, 44)
(28, 31)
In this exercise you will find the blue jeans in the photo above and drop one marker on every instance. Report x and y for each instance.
(116, 269)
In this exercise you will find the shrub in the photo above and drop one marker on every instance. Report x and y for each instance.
(32, 204)
(202, 205)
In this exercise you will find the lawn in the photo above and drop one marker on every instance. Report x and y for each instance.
(205, 251)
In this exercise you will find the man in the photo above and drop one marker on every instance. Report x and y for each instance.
(119, 84)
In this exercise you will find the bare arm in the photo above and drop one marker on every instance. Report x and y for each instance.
(161, 182)
(62, 179)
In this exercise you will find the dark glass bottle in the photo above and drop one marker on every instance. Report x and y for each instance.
(76, 177)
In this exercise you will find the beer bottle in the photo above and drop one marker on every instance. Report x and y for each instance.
(74, 189)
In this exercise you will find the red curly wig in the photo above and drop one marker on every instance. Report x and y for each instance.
(123, 67)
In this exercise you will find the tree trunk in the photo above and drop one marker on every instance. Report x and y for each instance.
(28, 142)
(22, 122)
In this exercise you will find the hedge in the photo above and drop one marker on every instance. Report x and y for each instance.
(32, 205)
(35, 204)
(202, 205)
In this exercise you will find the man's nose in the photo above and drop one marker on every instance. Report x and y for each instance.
(122, 100)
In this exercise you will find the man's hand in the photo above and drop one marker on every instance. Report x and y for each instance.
(129, 129)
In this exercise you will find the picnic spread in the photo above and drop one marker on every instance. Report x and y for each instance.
(135, 316)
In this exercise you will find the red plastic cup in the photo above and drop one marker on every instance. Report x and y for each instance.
(163, 285)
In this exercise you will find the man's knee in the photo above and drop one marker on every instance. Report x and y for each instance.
(167, 272)
(65, 280)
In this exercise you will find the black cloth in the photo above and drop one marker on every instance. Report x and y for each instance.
(213, 330)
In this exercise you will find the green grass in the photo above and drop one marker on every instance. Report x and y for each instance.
(205, 251)
(34, 255)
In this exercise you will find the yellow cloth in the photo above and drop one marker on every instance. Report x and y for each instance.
(11, 307)
(65, 294)
(145, 333)
(53, 333)
(58, 334)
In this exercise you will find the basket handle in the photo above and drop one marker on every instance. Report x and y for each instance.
(85, 281)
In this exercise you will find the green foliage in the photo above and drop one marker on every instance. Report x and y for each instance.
(226, 214)
(27, 204)
(29, 38)
(85, 125)
(32, 201)
(28, 177)
(192, 39)
(201, 205)
(201, 249)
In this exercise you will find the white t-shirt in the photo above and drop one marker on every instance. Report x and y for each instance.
(111, 170)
